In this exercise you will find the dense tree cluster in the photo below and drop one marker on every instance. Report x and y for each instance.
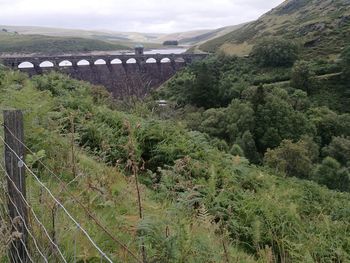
(303, 77)
(274, 52)
(293, 159)
(202, 200)
(171, 43)
(346, 63)
(211, 83)
(287, 127)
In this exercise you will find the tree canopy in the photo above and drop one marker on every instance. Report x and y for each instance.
(273, 52)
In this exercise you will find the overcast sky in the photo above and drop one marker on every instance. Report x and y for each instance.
(158, 16)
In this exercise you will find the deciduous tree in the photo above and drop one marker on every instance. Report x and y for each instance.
(275, 52)
(339, 149)
(331, 174)
(293, 159)
(302, 76)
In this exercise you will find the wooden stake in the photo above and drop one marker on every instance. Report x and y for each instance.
(13, 121)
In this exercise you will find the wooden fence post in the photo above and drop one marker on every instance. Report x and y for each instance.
(13, 122)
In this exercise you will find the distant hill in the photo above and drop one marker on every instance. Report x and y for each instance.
(151, 40)
(208, 35)
(64, 32)
(197, 36)
(16, 43)
(321, 26)
(105, 35)
(179, 36)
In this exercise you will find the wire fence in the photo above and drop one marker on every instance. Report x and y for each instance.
(43, 243)
(86, 210)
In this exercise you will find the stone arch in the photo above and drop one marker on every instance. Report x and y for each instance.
(83, 62)
(116, 61)
(65, 63)
(46, 64)
(165, 60)
(100, 62)
(151, 60)
(131, 61)
(26, 64)
(180, 60)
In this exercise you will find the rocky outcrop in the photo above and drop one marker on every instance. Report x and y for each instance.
(309, 28)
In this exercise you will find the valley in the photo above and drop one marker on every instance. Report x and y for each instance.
(232, 146)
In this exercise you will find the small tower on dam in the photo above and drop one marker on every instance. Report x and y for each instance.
(139, 50)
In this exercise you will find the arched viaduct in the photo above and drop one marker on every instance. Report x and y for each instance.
(123, 75)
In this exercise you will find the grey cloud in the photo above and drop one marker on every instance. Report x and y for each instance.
(138, 15)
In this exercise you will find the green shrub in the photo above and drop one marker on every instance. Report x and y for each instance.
(236, 150)
(248, 146)
(293, 159)
(346, 63)
(329, 124)
(302, 76)
(275, 120)
(274, 52)
(330, 173)
(339, 149)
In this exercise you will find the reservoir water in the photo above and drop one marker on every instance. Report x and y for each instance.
(167, 51)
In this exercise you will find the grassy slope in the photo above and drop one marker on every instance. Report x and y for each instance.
(302, 218)
(106, 190)
(13, 43)
(129, 39)
(206, 36)
(325, 22)
(124, 38)
(99, 35)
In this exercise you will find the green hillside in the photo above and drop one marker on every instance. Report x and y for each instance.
(16, 43)
(211, 34)
(321, 27)
(281, 112)
(202, 198)
(124, 38)
(248, 161)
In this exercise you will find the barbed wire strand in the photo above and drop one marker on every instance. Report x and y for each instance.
(22, 219)
(17, 252)
(12, 224)
(3, 219)
(26, 227)
(15, 227)
(12, 256)
(58, 202)
(87, 211)
(24, 222)
(36, 218)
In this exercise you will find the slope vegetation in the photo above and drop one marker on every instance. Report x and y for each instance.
(200, 203)
(322, 27)
(206, 36)
(152, 40)
(16, 43)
